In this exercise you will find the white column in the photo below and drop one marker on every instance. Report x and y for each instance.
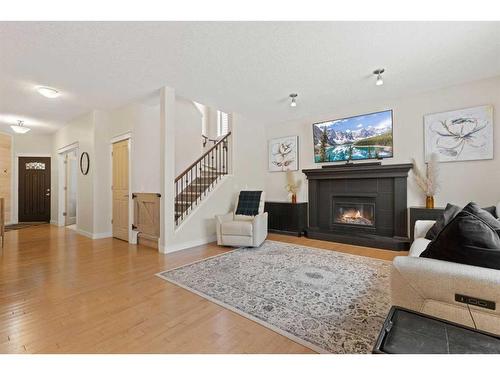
(167, 166)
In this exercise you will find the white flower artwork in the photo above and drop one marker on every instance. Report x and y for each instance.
(283, 154)
(465, 134)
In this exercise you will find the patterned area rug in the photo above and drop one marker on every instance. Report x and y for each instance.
(328, 301)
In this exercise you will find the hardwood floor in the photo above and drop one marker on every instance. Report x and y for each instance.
(64, 293)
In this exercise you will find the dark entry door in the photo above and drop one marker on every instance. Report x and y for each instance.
(34, 189)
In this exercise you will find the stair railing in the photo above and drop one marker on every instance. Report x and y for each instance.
(200, 178)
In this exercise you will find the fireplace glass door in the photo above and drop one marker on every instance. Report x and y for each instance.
(354, 213)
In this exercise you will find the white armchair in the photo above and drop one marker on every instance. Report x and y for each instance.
(242, 230)
(429, 286)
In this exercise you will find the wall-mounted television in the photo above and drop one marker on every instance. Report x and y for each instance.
(360, 137)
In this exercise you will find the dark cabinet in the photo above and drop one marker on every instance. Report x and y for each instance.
(286, 217)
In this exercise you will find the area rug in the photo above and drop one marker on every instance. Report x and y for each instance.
(328, 301)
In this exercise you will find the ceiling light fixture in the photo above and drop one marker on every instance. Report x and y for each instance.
(20, 128)
(48, 92)
(378, 73)
(293, 103)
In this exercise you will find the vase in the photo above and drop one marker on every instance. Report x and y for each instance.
(429, 201)
(294, 198)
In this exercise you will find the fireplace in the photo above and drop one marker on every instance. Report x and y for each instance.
(362, 204)
(354, 213)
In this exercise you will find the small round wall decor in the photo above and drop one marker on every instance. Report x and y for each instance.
(84, 163)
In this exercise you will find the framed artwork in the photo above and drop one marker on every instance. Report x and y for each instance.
(283, 154)
(464, 134)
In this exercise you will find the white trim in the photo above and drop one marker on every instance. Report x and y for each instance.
(188, 244)
(32, 155)
(61, 181)
(15, 181)
(54, 222)
(84, 233)
(98, 236)
(132, 235)
(121, 137)
(69, 147)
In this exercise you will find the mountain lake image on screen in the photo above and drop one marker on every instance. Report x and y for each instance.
(354, 138)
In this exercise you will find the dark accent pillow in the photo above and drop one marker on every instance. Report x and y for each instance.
(248, 203)
(492, 210)
(472, 237)
(449, 213)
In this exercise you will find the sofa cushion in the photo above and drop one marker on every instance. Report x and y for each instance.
(418, 246)
(237, 228)
(449, 213)
(472, 237)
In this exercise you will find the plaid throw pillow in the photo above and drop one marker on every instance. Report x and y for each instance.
(248, 203)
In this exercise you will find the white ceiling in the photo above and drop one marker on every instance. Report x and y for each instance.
(246, 67)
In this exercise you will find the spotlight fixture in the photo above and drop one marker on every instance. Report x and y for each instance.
(48, 92)
(378, 73)
(20, 128)
(293, 103)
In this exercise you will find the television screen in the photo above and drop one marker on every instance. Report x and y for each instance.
(354, 138)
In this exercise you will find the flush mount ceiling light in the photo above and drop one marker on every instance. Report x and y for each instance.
(48, 92)
(20, 128)
(378, 73)
(293, 103)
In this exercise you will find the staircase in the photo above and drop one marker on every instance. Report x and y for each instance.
(193, 185)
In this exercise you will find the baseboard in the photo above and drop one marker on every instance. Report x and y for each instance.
(54, 222)
(94, 236)
(186, 245)
(97, 236)
(84, 233)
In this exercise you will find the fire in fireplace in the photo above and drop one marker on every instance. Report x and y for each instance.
(355, 213)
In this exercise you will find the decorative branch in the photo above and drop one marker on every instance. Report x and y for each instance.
(428, 180)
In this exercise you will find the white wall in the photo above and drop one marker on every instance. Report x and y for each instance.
(188, 131)
(79, 130)
(461, 181)
(248, 163)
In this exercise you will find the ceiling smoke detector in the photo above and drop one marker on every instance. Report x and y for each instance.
(293, 97)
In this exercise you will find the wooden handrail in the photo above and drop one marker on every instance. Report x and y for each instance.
(192, 165)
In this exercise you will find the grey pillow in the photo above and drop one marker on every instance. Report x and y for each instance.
(449, 213)
(472, 237)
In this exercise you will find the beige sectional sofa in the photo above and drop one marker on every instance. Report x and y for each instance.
(429, 286)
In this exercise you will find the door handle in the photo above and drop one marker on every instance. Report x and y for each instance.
(48, 194)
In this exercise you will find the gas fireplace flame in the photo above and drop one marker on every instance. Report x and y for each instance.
(354, 216)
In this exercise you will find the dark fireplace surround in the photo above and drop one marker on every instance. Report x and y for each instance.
(359, 204)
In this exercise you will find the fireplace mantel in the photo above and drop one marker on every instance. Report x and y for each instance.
(381, 185)
(358, 171)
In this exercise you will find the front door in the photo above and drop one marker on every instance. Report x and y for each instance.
(120, 190)
(34, 189)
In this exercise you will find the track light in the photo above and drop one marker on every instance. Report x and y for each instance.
(293, 103)
(378, 73)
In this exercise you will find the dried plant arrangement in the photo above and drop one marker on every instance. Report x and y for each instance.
(428, 180)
